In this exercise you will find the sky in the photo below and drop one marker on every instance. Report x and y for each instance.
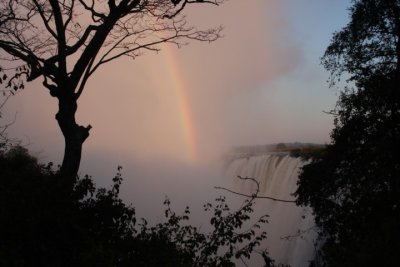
(168, 117)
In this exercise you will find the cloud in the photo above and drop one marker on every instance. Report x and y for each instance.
(258, 47)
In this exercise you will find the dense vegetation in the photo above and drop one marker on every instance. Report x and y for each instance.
(354, 186)
(45, 221)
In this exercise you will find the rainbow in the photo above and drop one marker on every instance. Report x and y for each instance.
(186, 118)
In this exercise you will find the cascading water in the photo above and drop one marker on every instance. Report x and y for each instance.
(290, 238)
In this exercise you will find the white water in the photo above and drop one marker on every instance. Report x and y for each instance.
(277, 175)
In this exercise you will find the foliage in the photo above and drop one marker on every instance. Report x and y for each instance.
(308, 152)
(354, 186)
(44, 221)
(368, 44)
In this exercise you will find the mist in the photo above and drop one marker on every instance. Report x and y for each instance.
(259, 84)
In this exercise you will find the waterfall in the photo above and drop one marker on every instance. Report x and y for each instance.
(277, 174)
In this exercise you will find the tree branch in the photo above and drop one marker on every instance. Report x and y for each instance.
(61, 40)
(96, 16)
(41, 13)
(253, 195)
(81, 41)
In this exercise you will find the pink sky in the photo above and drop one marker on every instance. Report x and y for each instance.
(259, 84)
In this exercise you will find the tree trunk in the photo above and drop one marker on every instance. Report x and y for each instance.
(74, 136)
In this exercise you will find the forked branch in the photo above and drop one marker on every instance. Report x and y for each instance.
(255, 195)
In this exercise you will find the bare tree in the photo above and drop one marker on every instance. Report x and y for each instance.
(65, 41)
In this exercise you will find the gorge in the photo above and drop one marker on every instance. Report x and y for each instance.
(291, 232)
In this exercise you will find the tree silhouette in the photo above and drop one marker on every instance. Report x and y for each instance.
(354, 185)
(369, 44)
(65, 41)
